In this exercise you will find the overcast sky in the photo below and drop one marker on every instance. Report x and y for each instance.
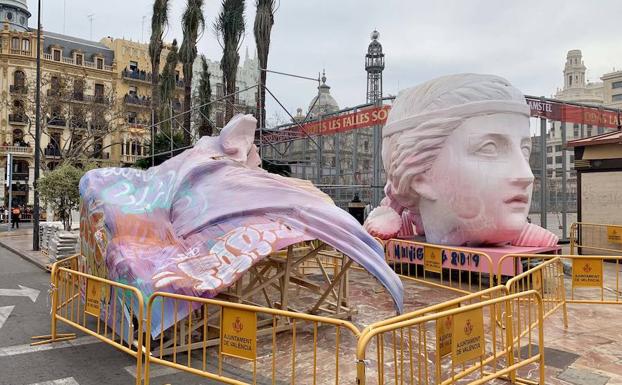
(524, 41)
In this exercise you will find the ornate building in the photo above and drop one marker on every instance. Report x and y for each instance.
(95, 99)
(133, 92)
(246, 78)
(577, 89)
(341, 163)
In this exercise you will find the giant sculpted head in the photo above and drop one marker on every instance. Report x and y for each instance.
(456, 155)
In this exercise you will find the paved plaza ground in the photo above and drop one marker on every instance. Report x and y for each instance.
(588, 352)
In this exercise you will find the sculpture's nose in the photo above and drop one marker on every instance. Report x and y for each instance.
(521, 176)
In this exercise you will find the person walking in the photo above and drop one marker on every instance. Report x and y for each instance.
(15, 214)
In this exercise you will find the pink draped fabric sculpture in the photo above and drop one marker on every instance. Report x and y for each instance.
(456, 154)
(197, 222)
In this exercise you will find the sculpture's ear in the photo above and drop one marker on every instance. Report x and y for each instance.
(237, 137)
(422, 186)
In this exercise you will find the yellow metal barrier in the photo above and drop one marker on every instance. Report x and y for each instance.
(445, 344)
(97, 307)
(218, 335)
(594, 279)
(542, 273)
(454, 268)
(595, 238)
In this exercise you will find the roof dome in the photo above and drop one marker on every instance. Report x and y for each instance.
(326, 104)
(15, 13)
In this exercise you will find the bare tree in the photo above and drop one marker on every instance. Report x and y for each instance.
(88, 117)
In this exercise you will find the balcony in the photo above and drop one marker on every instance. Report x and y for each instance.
(78, 123)
(17, 150)
(57, 121)
(17, 176)
(136, 75)
(71, 61)
(18, 119)
(19, 89)
(52, 152)
(129, 158)
(135, 100)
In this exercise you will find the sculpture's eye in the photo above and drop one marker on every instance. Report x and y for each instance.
(526, 151)
(489, 149)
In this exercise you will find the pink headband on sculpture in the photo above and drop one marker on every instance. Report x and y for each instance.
(483, 107)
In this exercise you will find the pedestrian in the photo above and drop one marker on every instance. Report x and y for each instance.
(15, 213)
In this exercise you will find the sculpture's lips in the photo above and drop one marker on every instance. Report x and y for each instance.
(517, 199)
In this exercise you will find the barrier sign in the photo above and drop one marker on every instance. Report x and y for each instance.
(407, 252)
(468, 336)
(614, 234)
(432, 259)
(93, 297)
(536, 281)
(444, 330)
(238, 336)
(587, 272)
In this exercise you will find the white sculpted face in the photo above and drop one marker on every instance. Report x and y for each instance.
(478, 189)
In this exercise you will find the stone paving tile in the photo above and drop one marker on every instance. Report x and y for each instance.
(582, 377)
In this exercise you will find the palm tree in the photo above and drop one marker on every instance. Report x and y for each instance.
(167, 86)
(230, 30)
(192, 22)
(264, 19)
(204, 100)
(159, 19)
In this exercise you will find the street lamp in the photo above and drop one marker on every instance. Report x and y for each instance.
(35, 209)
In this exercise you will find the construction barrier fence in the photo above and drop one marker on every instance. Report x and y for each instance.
(458, 269)
(107, 310)
(451, 343)
(247, 348)
(237, 344)
(595, 238)
(542, 273)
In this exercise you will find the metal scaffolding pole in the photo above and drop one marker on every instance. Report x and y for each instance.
(564, 181)
(543, 173)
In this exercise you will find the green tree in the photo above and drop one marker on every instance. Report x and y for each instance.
(204, 100)
(60, 189)
(192, 23)
(159, 20)
(264, 20)
(167, 145)
(167, 87)
(230, 30)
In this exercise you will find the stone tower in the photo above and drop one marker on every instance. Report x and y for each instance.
(574, 70)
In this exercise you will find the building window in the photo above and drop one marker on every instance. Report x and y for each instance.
(133, 66)
(589, 131)
(19, 80)
(549, 149)
(26, 45)
(100, 63)
(571, 158)
(131, 117)
(9, 16)
(570, 80)
(79, 59)
(601, 130)
(558, 159)
(133, 91)
(549, 160)
(15, 43)
(56, 54)
(616, 98)
(220, 92)
(558, 148)
(576, 130)
(78, 89)
(616, 84)
(99, 93)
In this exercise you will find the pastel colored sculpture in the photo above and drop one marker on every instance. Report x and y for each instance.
(194, 224)
(456, 154)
